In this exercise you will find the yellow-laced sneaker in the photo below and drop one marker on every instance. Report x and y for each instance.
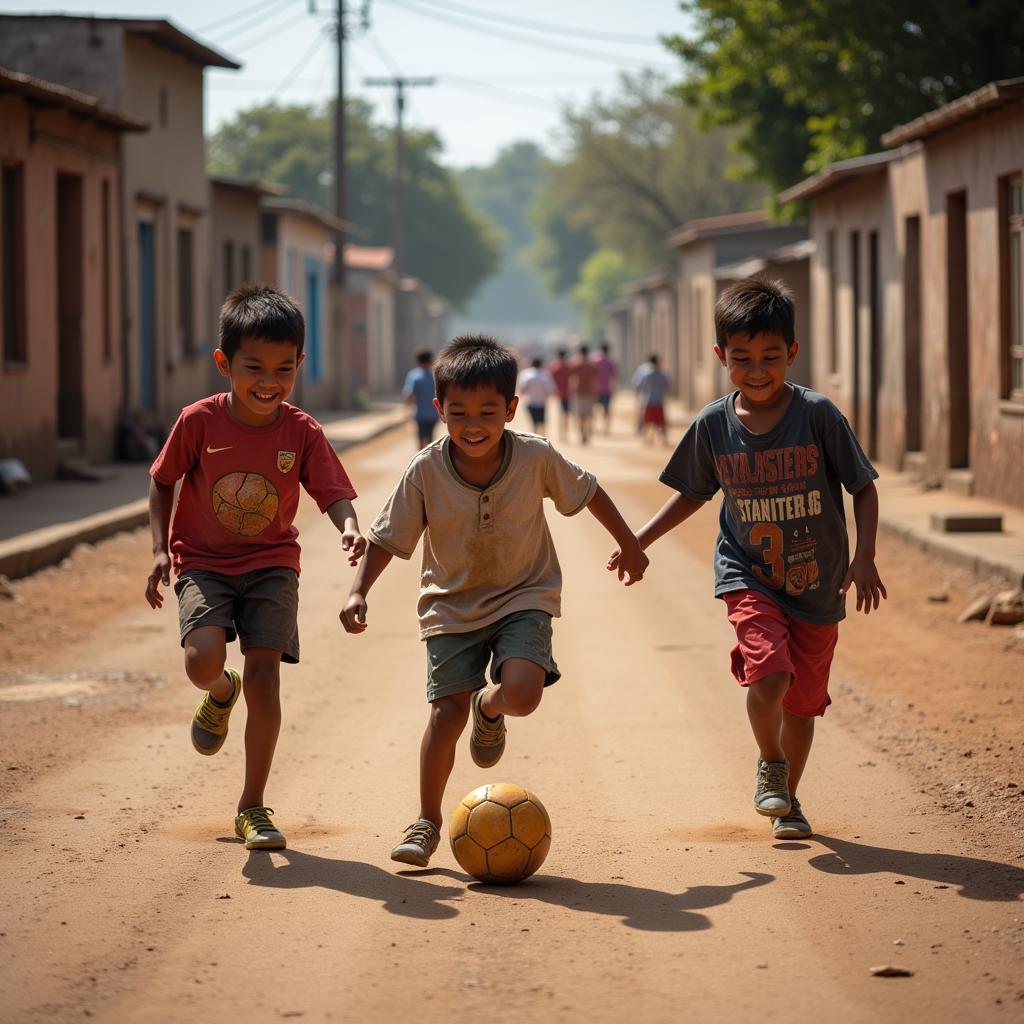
(256, 828)
(210, 722)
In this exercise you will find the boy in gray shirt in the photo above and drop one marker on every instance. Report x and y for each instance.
(781, 455)
(490, 579)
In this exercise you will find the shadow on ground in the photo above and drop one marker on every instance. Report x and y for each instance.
(645, 909)
(974, 878)
(398, 894)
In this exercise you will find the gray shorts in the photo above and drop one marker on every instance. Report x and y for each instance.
(457, 662)
(260, 607)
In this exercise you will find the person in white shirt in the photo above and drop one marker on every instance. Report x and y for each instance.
(536, 386)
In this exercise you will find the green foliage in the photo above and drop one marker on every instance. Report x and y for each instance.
(601, 279)
(445, 243)
(813, 81)
(638, 166)
(503, 192)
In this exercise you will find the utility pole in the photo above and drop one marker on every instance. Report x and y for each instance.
(399, 84)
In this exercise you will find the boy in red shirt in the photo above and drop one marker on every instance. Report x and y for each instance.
(241, 457)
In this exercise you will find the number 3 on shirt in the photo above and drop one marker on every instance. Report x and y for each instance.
(769, 536)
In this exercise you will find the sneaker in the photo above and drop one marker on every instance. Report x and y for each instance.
(771, 795)
(210, 722)
(487, 741)
(256, 828)
(793, 825)
(421, 839)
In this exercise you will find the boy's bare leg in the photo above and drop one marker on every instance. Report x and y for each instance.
(764, 709)
(797, 737)
(519, 691)
(261, 685)
(205, 653)
(448, 717)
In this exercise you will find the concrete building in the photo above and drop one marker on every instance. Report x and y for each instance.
(154, 71)
(653, 322)
(421, 321)
(297, 255)
(60, 273)
(918, 295)
(702, 246)
(370, 281)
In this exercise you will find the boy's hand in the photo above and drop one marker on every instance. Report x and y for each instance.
(870, 588)
(161, 573)
(631, 562)
(354, 543)
(353, 615)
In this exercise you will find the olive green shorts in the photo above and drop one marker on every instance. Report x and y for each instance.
(260, 607)
(457, 662)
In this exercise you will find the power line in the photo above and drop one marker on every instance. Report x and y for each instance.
(552, 28)
(473, 85)
(495, 33)
(389, 63)
(285, 82)
(233, 17)
(242, 45)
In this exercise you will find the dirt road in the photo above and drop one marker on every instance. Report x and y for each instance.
(125, 898)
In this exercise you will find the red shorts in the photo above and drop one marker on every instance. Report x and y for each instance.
(654, 414)
(769, 641)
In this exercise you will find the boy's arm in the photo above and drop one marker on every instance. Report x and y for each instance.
(629, 560)
(161, 501)
(353, 615)
(676, 510)
(343, 515)
(862, 572)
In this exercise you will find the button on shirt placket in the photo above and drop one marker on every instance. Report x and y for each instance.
(486, 515)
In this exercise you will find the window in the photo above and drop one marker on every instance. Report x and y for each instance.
(106, 256)
(12, 264)
(186, 303)
(1014, 200)
(163, 106)
(246, 253)
(698, 323)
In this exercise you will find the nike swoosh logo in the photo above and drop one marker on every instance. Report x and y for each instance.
(213, 451)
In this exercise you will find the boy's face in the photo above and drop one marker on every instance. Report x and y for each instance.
(476, 418)
(262, 375)
(757, 365)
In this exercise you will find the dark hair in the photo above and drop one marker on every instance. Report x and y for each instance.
(752, 306)
(605, 347)
(537, 363)
(562, 353)
(653, 359)
(261, 312)
(424, 357)
(584, 350)
(475, 361)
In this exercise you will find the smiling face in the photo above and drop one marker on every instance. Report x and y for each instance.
(476, 420)
(757, 366)
(262, 375)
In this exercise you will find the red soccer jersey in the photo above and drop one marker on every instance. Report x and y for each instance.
(241, 486)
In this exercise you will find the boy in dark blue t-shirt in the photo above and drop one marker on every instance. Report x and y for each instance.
(781, 455)
(418, 391)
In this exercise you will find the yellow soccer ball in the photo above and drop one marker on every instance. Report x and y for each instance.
(500, 833)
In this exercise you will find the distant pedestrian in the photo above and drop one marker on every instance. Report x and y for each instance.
(781, 455)
(418, 392)
(490, 581)
(241, 457)
(651, 388)
(583, 391)
(607, 378)
(560, 371)
(535, 385)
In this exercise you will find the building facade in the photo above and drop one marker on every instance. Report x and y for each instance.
(60, 273)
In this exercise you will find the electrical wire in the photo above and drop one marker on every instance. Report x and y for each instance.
(494, 33)
(550, 27)
(318, 41)
(392, 66)
(242, 45)
(203, 29)
(474, 85)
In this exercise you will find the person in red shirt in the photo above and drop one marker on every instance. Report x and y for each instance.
(241, 457)
(561, 370)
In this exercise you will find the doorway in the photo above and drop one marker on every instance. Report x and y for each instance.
(913, 407)
(70, 285)
(147, 316)
(957, 332)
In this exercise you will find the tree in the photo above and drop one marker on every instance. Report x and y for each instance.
(445, 243)
(813, 81)
(601, 279)
(638, 166)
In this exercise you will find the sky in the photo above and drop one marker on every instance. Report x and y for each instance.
(502, 72)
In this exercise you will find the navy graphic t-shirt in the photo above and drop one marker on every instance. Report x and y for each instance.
(782, 528)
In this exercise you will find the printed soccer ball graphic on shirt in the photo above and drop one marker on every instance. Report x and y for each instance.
(245, 503)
